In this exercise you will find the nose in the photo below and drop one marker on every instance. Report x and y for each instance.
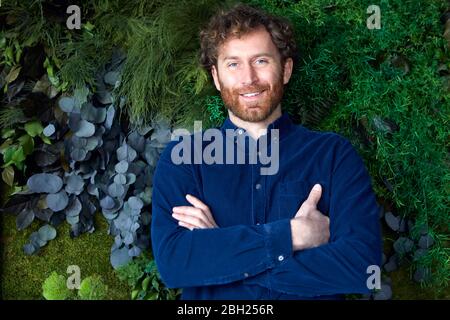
(249, 75)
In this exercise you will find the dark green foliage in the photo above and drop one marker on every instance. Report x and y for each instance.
(142, 276)
(92, 288)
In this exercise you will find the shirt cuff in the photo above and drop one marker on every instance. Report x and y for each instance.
(278, 241)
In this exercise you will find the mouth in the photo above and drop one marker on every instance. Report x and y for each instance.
(252, 95)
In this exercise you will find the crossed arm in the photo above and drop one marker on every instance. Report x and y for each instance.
(309, 228)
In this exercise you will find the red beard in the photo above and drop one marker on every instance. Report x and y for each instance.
(253, 110)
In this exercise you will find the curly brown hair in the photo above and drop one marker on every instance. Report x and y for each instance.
(238, 21)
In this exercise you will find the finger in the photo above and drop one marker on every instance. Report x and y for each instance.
(199, 204)
(186, 225)
(197, 222)
(194, 212)
(196, 202)
(314, 195)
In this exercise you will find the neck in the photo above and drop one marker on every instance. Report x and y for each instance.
(256, 129)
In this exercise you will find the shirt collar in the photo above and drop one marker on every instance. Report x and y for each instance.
(283, 124)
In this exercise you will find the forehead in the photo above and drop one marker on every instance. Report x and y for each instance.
(248, 45)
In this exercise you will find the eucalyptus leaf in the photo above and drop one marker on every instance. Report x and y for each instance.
(92, 114)
(74, 208)
(24, 218)
(57, 201)
(135, 203)
(128, 239)
(107, 202)
(75, 184)
(121, 167)
(86, 129)
(130, 178)
(110, 112)
(126, 153)
(66, 104)
(44, 182)
(119, 257)
(72, 220)
(29, 249)
(78, 154)
(43, 214)
(120, 178)
(47, 232)
(116, 190)
(49, 130)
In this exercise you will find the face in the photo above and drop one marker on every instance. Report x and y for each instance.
(250, 76)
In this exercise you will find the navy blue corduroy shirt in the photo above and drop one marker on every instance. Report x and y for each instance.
(250, 255)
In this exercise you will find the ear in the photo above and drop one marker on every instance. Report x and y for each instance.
(215, 76)
(288, 66)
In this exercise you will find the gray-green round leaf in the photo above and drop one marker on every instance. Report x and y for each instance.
(49, 130)
(116, 190)
(93, 114)
(74, 208)
(78, 154)
(121, 167)
(135, 203)
(29, 249)
(47, 232)
(44, 182)
(120, 178)
(24, 218)
(66, 104)
(75, 184)
(119, 257)
(85, 130)
(57, 201)
(107, 203)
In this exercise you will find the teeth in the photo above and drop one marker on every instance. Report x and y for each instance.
(251, 94)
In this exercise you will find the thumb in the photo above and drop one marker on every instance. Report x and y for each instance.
(314, 195)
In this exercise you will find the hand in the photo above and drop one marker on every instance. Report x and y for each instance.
(310, 228)
(197, 217)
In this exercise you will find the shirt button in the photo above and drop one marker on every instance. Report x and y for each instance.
(280, 258)
(240, 131)
(258, 223)
(258, 186)
(246, 275)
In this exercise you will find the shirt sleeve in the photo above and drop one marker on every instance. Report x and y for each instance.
(207, 256)
(339, 267)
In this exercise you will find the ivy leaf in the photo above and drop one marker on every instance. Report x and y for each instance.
(13, 74)
(27, 144)
(8, 175)
(7, 133)
(14, 155)
(34, 128)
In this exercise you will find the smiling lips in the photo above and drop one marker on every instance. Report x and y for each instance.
(251, 95)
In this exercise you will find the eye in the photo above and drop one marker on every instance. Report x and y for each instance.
(232, 65)
(261, 61)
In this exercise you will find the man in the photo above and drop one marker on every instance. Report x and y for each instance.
(222, 231)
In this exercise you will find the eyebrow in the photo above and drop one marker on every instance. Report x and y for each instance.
(252, 57)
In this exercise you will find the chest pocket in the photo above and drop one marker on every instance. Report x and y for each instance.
(293, 193)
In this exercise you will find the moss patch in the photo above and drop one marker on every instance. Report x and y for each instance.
(22, 276)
